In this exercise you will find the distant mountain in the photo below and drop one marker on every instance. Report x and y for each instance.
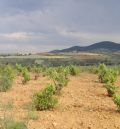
(105, 46)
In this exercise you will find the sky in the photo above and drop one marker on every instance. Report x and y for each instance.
(45, 25)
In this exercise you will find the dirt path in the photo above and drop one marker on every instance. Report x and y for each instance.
(83, 104)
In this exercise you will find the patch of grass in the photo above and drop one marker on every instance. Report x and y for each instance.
(10, 123)
(29, 106)
(8, 105)
(32, 115)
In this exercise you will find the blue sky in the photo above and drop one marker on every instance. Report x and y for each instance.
(43, 25)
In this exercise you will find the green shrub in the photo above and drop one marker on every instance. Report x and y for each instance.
(74, 70)
(44, 99)
(19, 68)
(44, 70)
(110, 76)
(5, 82)
(26, 75)
(117, 68)
(37, 71)
(102, 69)
(93, 69)
(59, 76)
(6, 78)
(29, 68)
(49, 71)
(60, 80)
(63, 70)
(116, 100)
(107, 75)
(111, 90)
(9, 70)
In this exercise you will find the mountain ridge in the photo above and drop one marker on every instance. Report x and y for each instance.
(103, 46)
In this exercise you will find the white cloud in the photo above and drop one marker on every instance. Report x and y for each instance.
(17, 36)
(87, 37)
(8, 46)
(38, 25)
(22, 36)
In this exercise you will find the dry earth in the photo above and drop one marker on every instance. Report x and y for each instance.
(83, 104)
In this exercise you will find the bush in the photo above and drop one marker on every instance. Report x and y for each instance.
(44, 99)
(66, 72)
(101, 72)
(74, 70)
(6, 78)
(19, 68)
(26, 75)
(93, 69)
(116, 100)
(49, 71)
(111, 90)
(117, 68)
(5, 82)
(63, 70)
(59, 75)
(60, 80)
(37, 71)
(9, 70)
(107, 75)
(110, 76)
(101, 67)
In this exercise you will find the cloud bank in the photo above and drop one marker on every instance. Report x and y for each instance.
(43, 25)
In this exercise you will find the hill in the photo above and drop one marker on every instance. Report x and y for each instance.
(105, 46)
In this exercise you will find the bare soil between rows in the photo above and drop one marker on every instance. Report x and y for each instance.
(83, 104)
